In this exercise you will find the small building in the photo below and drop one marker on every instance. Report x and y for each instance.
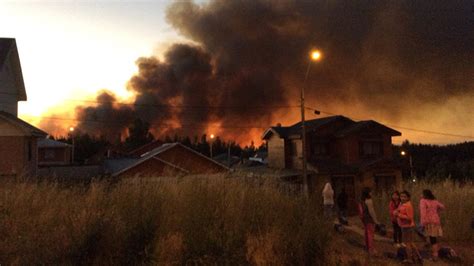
(18, 146)
(18, 139)
(347, 153)
(52, 152)
(167, 159)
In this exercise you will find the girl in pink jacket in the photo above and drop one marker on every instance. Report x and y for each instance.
(429, 219)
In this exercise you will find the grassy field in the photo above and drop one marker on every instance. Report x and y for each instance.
(198, 220)
(458, 200)
(213, 220)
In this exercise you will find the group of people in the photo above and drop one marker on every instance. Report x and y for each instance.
(402, 216)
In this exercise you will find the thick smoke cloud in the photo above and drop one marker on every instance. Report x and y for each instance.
(394, 58)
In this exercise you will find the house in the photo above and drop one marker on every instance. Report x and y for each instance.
(12, 87)
(349, 154)
(18, 146)
(18, 139)
(167, 159)
(52, 152)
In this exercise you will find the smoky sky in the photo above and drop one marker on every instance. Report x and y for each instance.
(248, 59)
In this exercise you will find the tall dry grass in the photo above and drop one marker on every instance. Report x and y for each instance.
(202, 220)
(458, 200)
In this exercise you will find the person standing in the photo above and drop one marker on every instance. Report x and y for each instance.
(342, 205)
(328, 200)
(369, 219)
(406, 220)
(397, 231)
(430, 220)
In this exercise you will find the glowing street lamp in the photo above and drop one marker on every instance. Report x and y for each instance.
(412, 176)
(71, 130)
(212, 140)
(315, 55)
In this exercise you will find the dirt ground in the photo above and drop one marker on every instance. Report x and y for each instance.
(348, 249)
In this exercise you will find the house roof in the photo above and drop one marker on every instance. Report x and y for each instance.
(145, 148)
(366, 125)
(8, 49)
(125, 165)
(352, 127)
(50, 143)
(284, 132)
(22, 125)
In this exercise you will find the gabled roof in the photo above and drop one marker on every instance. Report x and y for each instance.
(314, 124)
(22, 125)
(145, 148)
(8, 49)
(365, 126)
(153, 153)
(351, 127)
(50, 143)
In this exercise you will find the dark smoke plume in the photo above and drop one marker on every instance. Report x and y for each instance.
(401, 60)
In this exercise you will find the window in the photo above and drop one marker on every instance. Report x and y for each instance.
(371, 148)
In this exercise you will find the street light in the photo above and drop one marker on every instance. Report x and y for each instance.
(212, 140)
(412, 176)
(316, 56)
(71, 130)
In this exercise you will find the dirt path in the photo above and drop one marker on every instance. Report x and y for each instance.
(348, 249)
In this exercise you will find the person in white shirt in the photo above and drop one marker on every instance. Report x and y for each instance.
(328, 200)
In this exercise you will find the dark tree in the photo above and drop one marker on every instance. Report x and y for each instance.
(138, 135)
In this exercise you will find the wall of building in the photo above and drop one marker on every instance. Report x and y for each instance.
(54, 156)
(9, 98)
(276, 152)
(18, 155)
(297, 158)
(7, 130)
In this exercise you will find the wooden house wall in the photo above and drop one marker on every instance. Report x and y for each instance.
(18, 155)
(276, 152)
(61, 155)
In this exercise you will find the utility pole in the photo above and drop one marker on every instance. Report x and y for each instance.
(315, 56)
(303, 136)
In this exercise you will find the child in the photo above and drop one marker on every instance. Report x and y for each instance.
(369, 219)
(397, 231)
(429, 219)
(406, 220)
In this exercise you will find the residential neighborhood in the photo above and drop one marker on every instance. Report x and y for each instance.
(236, 132)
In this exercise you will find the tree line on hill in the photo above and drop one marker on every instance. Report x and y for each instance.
(436, 162)
(87, 146)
